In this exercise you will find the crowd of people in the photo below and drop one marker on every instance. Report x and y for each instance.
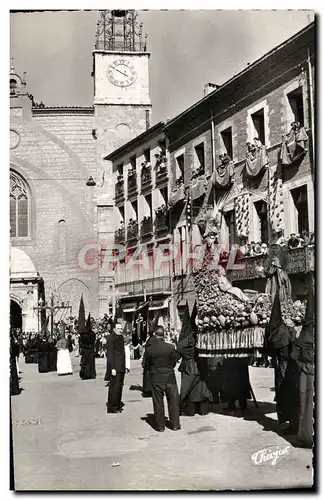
(204, 381)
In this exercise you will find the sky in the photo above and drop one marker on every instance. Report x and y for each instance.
(188, 49)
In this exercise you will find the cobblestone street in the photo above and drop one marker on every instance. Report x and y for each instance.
(65, 440)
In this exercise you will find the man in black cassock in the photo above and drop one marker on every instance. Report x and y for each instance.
(116, 368)
(194, 394)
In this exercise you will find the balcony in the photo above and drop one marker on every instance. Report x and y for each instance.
(161, 222)
(160, 285)
(161, 167)
(146, 177)
(119, 191)
(132, 231)
(120, 235)
(132, 183)
(146, 227)
(300, 260)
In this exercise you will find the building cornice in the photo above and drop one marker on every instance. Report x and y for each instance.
(64, 110)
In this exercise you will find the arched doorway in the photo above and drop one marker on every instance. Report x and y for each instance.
(15, 315)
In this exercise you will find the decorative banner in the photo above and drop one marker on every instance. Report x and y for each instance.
(242, 214)
(176, 196)
(198, 187)
(256, 159)
(293, 146)
(224, 174)
(276, 204)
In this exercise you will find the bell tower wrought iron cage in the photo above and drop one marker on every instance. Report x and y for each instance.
(120, 31)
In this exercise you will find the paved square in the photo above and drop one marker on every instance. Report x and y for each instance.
(65, 440)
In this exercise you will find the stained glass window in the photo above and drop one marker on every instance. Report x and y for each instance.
(19, 207)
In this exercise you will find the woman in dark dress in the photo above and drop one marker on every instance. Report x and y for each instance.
(88, 356)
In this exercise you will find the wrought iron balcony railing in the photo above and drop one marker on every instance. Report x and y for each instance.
(132, 231)
(146, 177)
(300, 260)
(146, 226)
(132, 183)
(119, 190)
(161, 222)
(120, 235)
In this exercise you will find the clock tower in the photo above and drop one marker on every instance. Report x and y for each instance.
(122, 110)
(121, 79)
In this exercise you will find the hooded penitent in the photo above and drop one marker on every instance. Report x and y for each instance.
(193, 388)
(81, 317)
(303, 350)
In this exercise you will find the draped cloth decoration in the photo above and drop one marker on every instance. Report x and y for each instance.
(224, 174)
(276, 204)
(293, 146)
(242, 214)
(256, 159)
(176, 196)
(198, 187)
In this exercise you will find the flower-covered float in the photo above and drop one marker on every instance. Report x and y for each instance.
(232, 322)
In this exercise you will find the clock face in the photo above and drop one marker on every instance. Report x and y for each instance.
(121, 73)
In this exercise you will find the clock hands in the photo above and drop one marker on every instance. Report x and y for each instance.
(124, 74)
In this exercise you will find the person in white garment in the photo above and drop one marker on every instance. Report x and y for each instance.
(127, 347)
(64, 365)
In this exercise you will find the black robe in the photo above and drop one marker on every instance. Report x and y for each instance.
(43, 357)
(193, 386)
(14, 376)
(278, 343)
(88, 356)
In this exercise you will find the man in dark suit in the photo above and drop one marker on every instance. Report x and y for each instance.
(116, 368)
(160, 360)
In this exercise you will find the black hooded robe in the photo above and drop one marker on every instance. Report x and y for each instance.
(43, 357)
(88, 356)
(194, 394)
(299, 378)
(14, 376)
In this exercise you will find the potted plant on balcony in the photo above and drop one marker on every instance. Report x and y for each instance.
(120, 178)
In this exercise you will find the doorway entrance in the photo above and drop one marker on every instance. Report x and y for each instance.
(15, 315)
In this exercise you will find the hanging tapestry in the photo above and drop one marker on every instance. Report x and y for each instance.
(198, 187)
(224, 174)
(276, 204)
(293, 146)
(242, 214)
(256, 158)
(176, 196)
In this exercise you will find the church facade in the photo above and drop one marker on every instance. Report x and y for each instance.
(61, 201)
